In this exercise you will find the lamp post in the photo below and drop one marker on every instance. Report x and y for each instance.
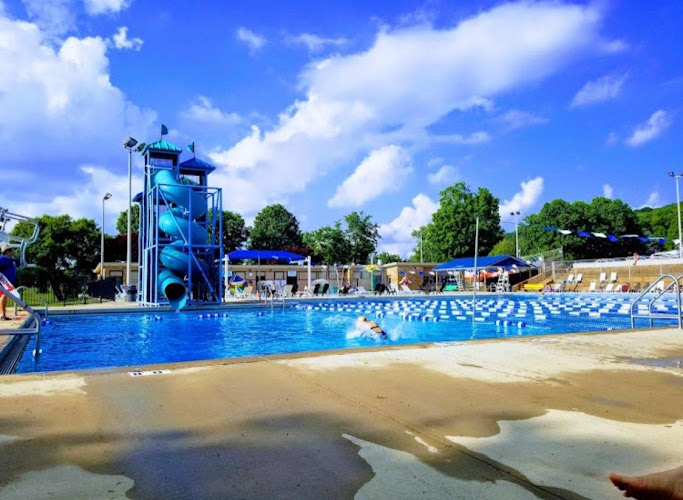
(129, 143)
(678, 205)
(104, 198)
(516, 214)
(421, 253)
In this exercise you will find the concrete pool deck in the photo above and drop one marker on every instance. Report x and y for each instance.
(544, 417)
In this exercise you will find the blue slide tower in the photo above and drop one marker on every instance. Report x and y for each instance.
(181, 230)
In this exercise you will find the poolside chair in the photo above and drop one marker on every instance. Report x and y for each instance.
(608, 288)
(393, 289)
(603, 278)
(635, 287)
(613, 277)
(407, 291)
(287, 291)
(360, 291)
(570, 279)
(577, 281)
(325, 288)
(557, 287)
(593, 286)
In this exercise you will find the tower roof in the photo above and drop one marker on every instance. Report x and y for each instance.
(161, 145)
(197, 165)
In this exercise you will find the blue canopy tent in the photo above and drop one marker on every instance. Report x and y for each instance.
(506, 262)
(257, 255)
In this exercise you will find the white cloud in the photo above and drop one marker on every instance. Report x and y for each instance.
(382, 171)
(83, 199)
(653, 201)
(121, 41)
(54, 17)
(602, 89)
(446, 175)
(61, 98)
(391, 93)
(607, 191)
(524, 199)
(253, 41)
(397, 235)
(651, 129)
(94, 7)
(203, 110)
(315, 43)
(515, 119)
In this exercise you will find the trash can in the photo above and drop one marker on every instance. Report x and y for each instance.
(131, 293)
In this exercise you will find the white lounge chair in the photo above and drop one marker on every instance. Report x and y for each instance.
(394, 289)
(608, 288)
(360, 290)
(405, 290)
(579, 278)
(570, 279)
(613, 277)
(287, 290)
(603, 278)
(558, 287)
(592, 287)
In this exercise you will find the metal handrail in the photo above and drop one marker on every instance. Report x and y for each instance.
(675, 283)
(24, 331)
(19, 289)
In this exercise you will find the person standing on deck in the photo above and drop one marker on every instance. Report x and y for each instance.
(8, 268)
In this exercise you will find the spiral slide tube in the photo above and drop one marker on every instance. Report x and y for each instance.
(178, 223)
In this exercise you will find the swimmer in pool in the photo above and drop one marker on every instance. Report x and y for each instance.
(372, 326)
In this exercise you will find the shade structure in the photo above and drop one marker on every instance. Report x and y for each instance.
(264, 255)
(467, 263)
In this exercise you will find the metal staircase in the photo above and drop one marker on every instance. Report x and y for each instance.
(659, 285)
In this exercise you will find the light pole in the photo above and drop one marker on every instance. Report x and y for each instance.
(129, 143)
(678, 204)
(516, 214)
(104, 198)
(421, 240)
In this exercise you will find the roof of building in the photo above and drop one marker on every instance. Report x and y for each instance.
(505, 261)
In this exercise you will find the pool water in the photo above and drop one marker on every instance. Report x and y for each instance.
(134, 339)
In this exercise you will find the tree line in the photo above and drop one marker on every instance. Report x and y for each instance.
(68, 249)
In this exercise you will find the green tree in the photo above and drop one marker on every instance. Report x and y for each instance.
(66, 252)
(660, 222)
(275, 228)
(329, 244)
(506, 246)
(387, 258)
(451, 232)
(601, 215)
(122, 221)
(362, 235)
(234, 230)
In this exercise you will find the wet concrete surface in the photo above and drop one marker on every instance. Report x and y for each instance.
(451, 421)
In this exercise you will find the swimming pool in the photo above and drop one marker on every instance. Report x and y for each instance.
(140, 338)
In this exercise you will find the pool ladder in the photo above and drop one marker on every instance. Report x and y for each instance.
(658, 286)
(24, 332)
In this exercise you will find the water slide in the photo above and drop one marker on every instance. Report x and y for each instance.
(178, 223)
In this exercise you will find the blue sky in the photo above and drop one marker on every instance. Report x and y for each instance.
(372, 106)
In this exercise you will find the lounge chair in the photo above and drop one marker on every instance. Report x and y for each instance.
(613, 277)
(360, 290)
(246, 292)
(314, 292)
(557, 287)
(570, 279)
(603, 278)
(405, 289)
(593, 286)
(577, 281)
(635, 287)
(325, 288)
(608, 288)
(287, 291)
